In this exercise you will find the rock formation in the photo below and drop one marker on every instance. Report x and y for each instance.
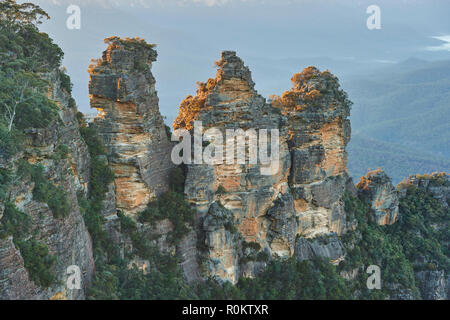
(437, 184)
(377, 189)
(433, 284)
(248, 211)
(319, 131)
(66, 237)
(236, 195)
(122, 89)
(302, 198)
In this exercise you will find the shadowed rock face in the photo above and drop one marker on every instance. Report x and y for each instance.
(303, 198)
(230, 101)
(122, 89)
(65, 237)
(376, 187)
(319, 131)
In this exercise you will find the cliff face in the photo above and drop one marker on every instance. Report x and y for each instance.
(66, 237)
(247, 216)
(377, 189)
(433, 284)
(234, 194)
(319, 131)
(122, 89)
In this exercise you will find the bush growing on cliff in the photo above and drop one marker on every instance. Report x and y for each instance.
(176, 180)
(11, 142)
(100, 178)
(38, 262)
(172, 206)
(45, 191)
(66, 84)
(422, 229)
(14, 222)
(375, 246)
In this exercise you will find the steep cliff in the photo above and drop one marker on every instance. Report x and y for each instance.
(319, 131)
(377, 189)
(429, 194)
(53, 163)
(248, 215)
(122, 89)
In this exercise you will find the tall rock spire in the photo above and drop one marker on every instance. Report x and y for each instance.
(236, 202)
(122, 89)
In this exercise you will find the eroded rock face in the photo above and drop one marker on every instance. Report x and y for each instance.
(230, 101)
(328, 247)
(377, 189)
(433, 285)
(14, 281)
(303, 197)
(122, 89)
(65, 237)
(319, 130)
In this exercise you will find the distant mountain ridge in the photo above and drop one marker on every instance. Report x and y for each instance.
(406, 105)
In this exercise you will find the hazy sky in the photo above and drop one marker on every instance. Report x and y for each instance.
(275, 38)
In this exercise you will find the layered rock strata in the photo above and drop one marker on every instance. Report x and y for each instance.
(249, 217)
(65, 237)
(122, 89)
(377, 189)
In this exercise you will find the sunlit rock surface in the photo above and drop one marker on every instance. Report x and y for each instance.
(122, 89)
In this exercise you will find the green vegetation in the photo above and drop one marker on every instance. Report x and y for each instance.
(44, 190)
(25, 54)
(37, 259)
(14, 222)
(172, 206)
(61, 152)
(221, 190)
(373, 245)
(422, 230)
(101, 177)
(412, 243)
(38, 262)
(66, 84)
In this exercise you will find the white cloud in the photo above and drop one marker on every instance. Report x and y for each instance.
(444, 46)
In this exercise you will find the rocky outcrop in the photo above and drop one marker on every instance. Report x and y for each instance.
(230, 101)
(302, 196)
(319, 130)
(377, 189)
(122, 89)
(14, 280)
(65, 237)
(437, 184)
(328, 247)
(433, 285)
